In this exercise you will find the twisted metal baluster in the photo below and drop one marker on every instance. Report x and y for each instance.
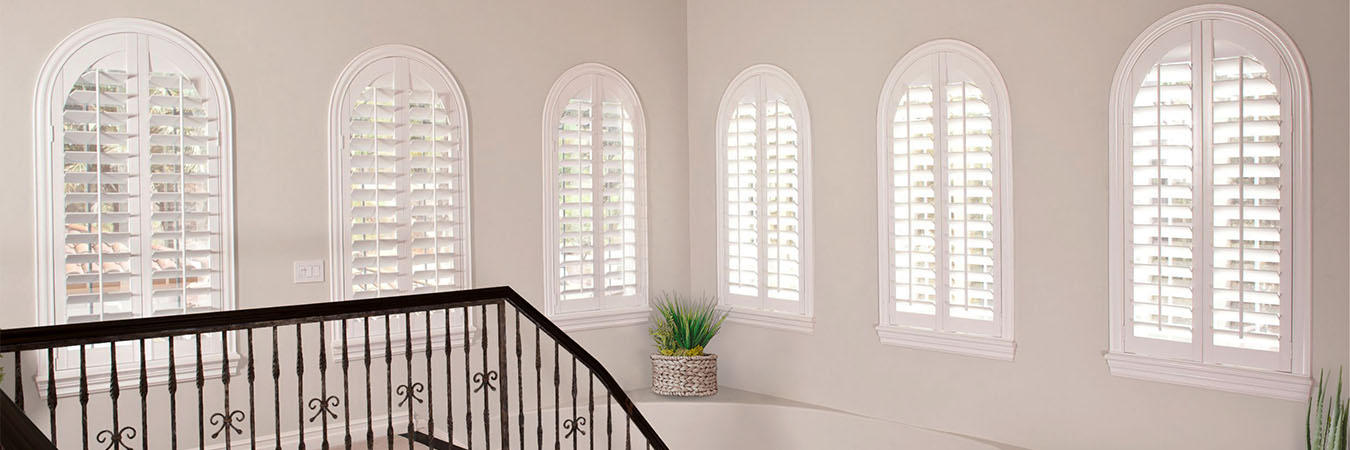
(323, 383)
(346, 402)
(370, 426)
(539, 387)
(18, 380)
(628, 432)
(201, 396)
(276, 388)
(300, 385)
(468, 388)
(557, 399)
(505, 392)
(144, 391)
(389, 383)
(431, 398)
(520, 386)
(609, 421)
(252, 413)
(590, 407)
(51, 393)
(574, 401)
(114, 393)
(84, 397)
(408, 357)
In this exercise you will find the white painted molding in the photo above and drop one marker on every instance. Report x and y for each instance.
(1240, 380)
(1299, 100)
(805, 307)
(997, 90)
(606, 318)
(948, 342)
(796, 323)
(622, 307)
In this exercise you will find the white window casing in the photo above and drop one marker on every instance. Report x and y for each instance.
(399, 191)
(1210, 206)
(595, 208)
(945, 203)
(764, 259)
(134, 158)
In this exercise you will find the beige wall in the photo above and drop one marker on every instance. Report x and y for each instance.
(1058, 58)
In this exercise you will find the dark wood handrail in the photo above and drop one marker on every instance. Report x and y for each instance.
(16, 431)
(45, 337)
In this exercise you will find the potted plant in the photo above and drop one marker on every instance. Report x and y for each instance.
(681, 329)
(1327, 422)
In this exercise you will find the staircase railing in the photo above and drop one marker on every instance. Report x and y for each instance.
(420, 370)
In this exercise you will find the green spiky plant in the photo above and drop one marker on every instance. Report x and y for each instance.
(683, 326)
(1327, 423)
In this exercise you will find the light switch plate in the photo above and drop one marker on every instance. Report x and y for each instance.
(309, 271)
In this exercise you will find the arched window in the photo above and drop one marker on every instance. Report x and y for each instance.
(595, 166)
(399, 180)
(944, 176)
(764, 163)
(1209, 204)
(134, 146)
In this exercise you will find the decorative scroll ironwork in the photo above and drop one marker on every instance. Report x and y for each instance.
(482, 380)
(573, 426)
(324, 406)
(222, 421)
(114, 439)
(410, 393)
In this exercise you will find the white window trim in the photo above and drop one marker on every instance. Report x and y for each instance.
(337, 228)
(44, 133)
(600, 318)
(1003, 346)
(804, 320)
(1292, 385)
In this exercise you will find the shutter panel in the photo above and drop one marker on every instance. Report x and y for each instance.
(781, 188)
(140, 188)
(915, 201)
(742, 191)
(407, 217)
(576, 179)
(1246, 202)
(1163, 198)
(619, 198)
(970, 216)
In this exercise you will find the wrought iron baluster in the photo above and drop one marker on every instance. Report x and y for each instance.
(574, 401)
(590, 407)
(504, 392)
(114, 394)
(84, 397)
(539, 387)
(389, 382)
(408, 357)
(225, 385)
(449, 388)
(51, 393)
(173, 397)
(487, 422)
(468, 388)
(609, 421)
(346, 401)
(370, 426)
(252, 403)
(431, 397)
(18, 380)
(201, 396)
(628, 432)
(557, 399)
(300, 385)
(276, 388)
(323, 383)
(520, 385)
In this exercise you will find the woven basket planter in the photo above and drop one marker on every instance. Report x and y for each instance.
(684, 376)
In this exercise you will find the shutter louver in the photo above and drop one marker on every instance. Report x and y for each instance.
(970, 217)
(742, 154)
(915, 202)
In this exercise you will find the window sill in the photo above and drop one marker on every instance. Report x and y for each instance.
(797, 323)
(1241, 380)
(593, 320)
(947, 342)
(99, 378)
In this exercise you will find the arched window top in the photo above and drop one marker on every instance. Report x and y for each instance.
(134, 144)
(774, 85)
(596, 222)
(399, 175)
(1209, 129)
(957, 62)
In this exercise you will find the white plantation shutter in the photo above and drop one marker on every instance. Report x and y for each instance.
(1209, 201)
(942, 192)
(593, 132)
(400, 162)
(137, 140)
(763, 161)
